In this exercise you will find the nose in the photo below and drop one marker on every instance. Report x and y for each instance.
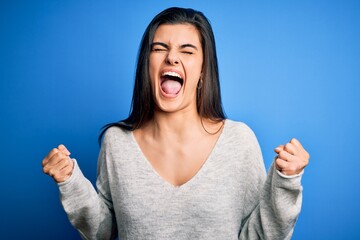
(172, 58)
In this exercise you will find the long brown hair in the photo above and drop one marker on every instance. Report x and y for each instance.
(208, 96)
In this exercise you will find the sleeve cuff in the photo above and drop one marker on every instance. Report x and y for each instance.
(69, 183)
(286, 181)
(289, 176)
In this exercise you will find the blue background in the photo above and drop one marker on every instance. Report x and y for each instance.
(288, 69)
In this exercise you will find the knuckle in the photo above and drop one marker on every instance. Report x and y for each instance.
(288, 146)
(282, 154)
(54, 150)
(65, 169)
(45, 169)
(281, 163)
(59, 155)
(306, 163)
(52, 172)
(61, 146)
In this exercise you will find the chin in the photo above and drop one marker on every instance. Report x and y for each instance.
(168, 106)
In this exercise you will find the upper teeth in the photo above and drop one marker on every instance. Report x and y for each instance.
(174, 74)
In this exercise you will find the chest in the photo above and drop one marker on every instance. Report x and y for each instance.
(149, 205)
(210, 204)
(177, 162)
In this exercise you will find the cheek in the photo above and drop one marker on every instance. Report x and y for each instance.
(195, 72)
(197, 64)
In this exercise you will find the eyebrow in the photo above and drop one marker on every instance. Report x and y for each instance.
(167, 46)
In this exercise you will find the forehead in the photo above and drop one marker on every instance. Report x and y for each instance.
(177, 34)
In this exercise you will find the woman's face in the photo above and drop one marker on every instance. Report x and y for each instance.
(175, 66)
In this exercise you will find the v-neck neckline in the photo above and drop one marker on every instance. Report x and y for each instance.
(195, 177)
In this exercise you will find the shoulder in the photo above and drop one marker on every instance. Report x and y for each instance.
(239, 135)
(237, 125)
(238, 129)
(241, 142)
(115, 134)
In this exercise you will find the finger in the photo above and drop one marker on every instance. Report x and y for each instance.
(65, 172)
(296, 143)
(300, 148)
(286, 156)
(56, 158)
(281, 164)
(68, 168)
(288, 168)
(279, 149)
(49, 156)
(290, 148)
(53, 170)
(62, 148)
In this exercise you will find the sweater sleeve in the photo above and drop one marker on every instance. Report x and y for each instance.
(89, 211)
(277, 210)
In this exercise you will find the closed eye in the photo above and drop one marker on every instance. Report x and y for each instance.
(158, 49)
(188, 48)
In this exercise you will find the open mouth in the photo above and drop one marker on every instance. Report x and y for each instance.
(171, 83)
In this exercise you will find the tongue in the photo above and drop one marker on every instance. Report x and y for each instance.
(171, 86)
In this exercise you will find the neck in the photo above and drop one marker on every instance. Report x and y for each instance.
(180, 125)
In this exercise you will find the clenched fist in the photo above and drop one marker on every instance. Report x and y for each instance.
(58, 164)
(292, 158)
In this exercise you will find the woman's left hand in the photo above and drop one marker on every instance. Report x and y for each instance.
(292, 158)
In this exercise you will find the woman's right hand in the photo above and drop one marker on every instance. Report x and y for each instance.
(58, 164)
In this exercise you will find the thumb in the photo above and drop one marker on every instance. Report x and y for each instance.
(63, 149)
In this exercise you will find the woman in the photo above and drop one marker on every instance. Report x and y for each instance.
(176, 168)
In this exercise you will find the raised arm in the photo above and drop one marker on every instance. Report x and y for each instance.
(89, 211)
(280, 198)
